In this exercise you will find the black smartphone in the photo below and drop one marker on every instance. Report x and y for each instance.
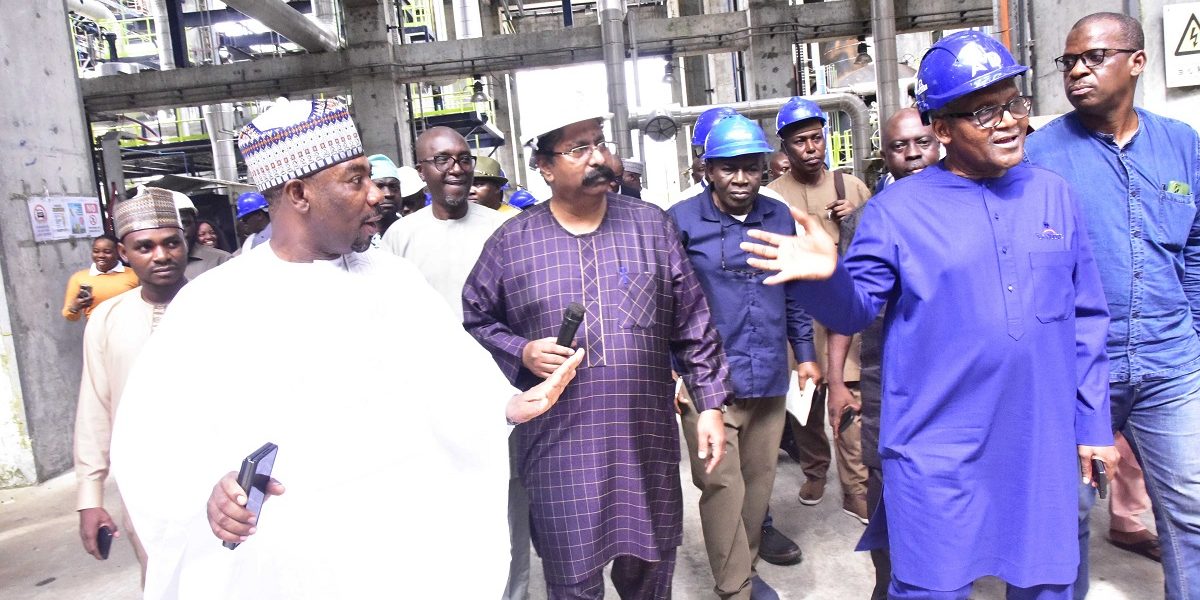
(104, 541)
(1100, 476)
(254, 476)
(847, 418)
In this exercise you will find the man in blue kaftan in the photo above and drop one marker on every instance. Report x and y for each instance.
(987, 274)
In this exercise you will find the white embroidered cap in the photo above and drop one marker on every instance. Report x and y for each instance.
(297, 138)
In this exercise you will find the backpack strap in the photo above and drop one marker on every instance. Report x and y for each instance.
(839, 185)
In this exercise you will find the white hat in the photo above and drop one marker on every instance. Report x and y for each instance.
(575, 107)
(410, 181)
(297, 138)
(633, 166)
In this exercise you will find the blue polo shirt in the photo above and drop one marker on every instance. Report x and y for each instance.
(1139, 207)
(756, 321)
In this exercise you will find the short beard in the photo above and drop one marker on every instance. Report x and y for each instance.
(453, 202)
(601, 174)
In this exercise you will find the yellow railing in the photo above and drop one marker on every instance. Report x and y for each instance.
(135, 37)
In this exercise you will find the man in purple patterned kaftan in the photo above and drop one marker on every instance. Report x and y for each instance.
(602, 466)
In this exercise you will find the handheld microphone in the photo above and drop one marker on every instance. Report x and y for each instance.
(571, 320)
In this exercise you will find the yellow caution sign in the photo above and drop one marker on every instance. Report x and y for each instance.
(1181, 44)
(1189, 42)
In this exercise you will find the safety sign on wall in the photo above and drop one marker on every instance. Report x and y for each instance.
(63, 217)
(1181, 41)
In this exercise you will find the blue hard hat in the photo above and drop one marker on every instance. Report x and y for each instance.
(706, 120)
(521, 199)
(795, 110)
(959, 64)
(736, 136)
(248, 202)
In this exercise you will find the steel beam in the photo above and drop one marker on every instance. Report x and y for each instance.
(679, 36)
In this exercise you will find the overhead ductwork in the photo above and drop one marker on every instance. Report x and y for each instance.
(288, 22)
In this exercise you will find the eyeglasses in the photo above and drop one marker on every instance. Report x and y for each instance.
(581, 152)
(748, 271)
(442, 162)
(990, 117)
(1091, 58)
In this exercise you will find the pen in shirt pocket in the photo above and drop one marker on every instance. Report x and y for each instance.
(624, 272)
(1177, 187)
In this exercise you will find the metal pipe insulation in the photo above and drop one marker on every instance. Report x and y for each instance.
(612, 35)
(288, 22)
(853, 106)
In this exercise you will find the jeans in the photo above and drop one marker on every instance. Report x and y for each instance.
(1161, 421)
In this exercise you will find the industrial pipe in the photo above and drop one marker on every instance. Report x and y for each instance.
(860, 117)
(883, 30)
(288, 22)
(612, 36)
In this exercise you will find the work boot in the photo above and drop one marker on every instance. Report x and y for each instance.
(856, 507)
(777, 548)
(812, 491)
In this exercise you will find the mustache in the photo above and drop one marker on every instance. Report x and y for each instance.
(600, 174)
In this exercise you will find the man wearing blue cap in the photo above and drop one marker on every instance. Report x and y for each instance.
(757, 324)
(833, 197)
(995, 379)
(253, 220)
(704, 124)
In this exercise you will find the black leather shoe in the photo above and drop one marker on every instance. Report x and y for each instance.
(777, 549)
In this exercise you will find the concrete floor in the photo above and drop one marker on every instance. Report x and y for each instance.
(41, 557)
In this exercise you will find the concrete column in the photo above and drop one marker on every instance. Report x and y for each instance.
(503, 92)
(770, 73)
(44, 148)
(722, 79)
(883, 30)
(695, 68)
(378, 99)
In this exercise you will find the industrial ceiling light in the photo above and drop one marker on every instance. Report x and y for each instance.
(669, 74)
(479, 97)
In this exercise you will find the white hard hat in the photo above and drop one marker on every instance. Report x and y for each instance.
(410, 181)
(575, 108)
(182, 202)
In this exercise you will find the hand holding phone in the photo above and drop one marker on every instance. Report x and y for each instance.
(253, 478)
(104, 538)
(1100, 476)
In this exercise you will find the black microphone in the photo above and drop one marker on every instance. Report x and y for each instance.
(571, 320)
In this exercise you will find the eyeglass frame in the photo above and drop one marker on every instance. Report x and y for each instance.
(1060, 61)
(586, 150)
(1004, 108)
(466, 161)
(750, 272)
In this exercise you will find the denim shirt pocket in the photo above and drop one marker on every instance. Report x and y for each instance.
(637, 300)
(1172, 220)
(1053, 285)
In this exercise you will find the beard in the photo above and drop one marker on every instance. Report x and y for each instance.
(599, 175)
(453, 202)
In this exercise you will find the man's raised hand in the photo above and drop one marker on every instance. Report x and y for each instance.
(810, 255)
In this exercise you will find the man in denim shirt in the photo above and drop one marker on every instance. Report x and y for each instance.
(757, 324)
(1136, 175)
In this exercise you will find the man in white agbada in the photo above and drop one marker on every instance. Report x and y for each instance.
(388, 416)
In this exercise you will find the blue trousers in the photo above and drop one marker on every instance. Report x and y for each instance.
(1161, 420)
(899, 590)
